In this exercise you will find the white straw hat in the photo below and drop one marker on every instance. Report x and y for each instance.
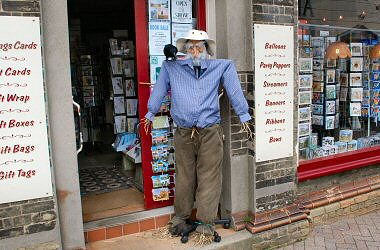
(198, 35)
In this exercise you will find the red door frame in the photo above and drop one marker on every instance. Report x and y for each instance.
(142, 61)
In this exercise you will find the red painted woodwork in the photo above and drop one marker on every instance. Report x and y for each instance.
(338, 163)
(142, 61)
(201, 14)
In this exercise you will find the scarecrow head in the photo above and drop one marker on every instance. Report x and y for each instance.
(196, 45)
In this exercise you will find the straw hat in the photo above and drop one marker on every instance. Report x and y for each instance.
(198, 35)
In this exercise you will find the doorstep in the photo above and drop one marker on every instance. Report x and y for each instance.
(146, 240)
(127, 224)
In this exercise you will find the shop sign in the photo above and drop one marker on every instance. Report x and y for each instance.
(274, 91)
(182, 11)
(24, 152)
(159, 36)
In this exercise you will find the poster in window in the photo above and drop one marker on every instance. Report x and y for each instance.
(179, 30)
(159, 36)
(155, 67)
(117, 85)
(356, 94)
(330, 78)
(159, 10)
(182, 11)
(317, 120)
(318, 76)
(355, 109)
(116, 65)
(119, 104)
(330, 122)
(304, 97)
(356, 49)
(304, 114)
(131, 107)
(318, 98)
(306, 64)
(305, 81)
(303, 129)
(130, 89)
(356, 64)
(330, 107)
(120, 124)
(317, 109)
(330, 92)
(303, 142)
(356, 79)
(318, 86)
(343, 79)
(318, 64)
(132, 124)
(129, 68)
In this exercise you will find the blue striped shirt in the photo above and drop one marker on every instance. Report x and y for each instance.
(195, 102)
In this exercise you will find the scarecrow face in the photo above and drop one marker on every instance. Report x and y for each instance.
(195, 48)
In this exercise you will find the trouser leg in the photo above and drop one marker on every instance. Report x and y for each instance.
(209, 176)
(185, 173)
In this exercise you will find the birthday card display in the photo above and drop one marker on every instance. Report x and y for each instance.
(122, 73)
(343, 112)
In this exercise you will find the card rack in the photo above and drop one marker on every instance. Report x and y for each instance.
(123, 78)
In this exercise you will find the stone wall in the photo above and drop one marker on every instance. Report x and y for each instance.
(36, 215)
(27, 217)
(239, 139)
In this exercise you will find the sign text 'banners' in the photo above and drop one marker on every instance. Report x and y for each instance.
(24, 153)
(274, 92)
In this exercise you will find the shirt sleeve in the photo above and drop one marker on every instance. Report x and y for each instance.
(160, 90)
(232, 86)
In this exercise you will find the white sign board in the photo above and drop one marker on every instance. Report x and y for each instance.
(159, 36)
(24, 152)
(182, 11)
(274, 92)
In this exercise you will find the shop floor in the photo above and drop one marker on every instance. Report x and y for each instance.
(100, 206)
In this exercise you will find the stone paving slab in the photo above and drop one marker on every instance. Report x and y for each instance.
(358, 232)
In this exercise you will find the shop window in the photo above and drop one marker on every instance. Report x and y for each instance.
(339, 91)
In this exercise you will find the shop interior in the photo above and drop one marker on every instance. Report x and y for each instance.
(339, 79)
(103, 70)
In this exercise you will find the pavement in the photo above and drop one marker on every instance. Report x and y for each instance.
(356, 232)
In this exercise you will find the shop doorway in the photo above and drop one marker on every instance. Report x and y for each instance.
(104, 84)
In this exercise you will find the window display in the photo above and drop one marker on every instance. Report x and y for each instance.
(343, 112)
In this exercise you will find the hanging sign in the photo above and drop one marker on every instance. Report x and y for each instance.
(182, 11)
(159, 36)
(24, 152)
(274, 91)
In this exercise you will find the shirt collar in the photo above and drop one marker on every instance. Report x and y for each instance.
(189, 62)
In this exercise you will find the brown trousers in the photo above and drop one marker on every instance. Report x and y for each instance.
(198, 171)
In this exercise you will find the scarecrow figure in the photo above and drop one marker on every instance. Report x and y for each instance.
(198, 139)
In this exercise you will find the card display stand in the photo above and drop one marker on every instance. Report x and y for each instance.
(344, 97)
(124, 90)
